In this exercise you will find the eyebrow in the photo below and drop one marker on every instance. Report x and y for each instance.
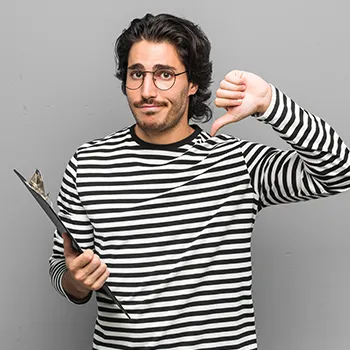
(155, 67)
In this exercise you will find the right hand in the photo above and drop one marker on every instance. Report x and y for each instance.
(242, 94)
(86, 269)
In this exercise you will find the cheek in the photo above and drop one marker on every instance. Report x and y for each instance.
(178, 96)
(131, 96)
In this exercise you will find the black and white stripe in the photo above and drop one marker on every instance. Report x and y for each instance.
(173, 224)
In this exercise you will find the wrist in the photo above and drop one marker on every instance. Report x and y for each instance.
(265, 101)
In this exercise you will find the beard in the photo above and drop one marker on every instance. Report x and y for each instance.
(167, 118)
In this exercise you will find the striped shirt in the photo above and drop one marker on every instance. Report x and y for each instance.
(174, 224)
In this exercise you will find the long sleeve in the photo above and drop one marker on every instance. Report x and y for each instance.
(318, 165)
(73, 215)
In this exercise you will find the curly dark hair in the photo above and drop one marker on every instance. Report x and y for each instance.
(191, 44)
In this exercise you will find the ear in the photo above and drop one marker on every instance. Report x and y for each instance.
(192, 89)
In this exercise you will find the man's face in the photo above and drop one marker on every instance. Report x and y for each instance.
(156, 110)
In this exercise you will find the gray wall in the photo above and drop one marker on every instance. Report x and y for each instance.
(58, 91)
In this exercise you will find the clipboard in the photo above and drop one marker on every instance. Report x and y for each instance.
(45, 205)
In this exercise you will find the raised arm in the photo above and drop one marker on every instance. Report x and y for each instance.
(318, 164)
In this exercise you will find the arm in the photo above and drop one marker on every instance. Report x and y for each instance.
(72, 275)
(318, 164)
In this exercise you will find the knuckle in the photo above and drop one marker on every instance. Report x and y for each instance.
(88, 254)
(79, 276)
(96, 262)
(88, 283)
(96, 258)
(96, 286)
(106, 272)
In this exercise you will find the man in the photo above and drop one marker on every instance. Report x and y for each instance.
(165, 211)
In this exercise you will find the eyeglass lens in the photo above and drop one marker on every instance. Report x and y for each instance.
(163, 79)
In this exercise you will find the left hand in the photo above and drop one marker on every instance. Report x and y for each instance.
(241, 94)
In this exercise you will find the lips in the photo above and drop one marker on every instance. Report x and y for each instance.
(150, 109)
(149, 105)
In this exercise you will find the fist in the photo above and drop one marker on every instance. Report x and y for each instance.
(86, 269)
(241, 94)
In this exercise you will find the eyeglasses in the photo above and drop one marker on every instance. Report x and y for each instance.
(163, 79)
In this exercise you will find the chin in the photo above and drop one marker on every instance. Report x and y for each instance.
(154, 126)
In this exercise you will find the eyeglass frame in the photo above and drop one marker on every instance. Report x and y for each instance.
(144, 72)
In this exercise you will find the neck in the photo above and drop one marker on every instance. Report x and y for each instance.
(168, 136)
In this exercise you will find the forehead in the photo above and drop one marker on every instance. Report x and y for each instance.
(150, 54)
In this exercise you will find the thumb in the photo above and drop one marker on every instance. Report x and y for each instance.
(222, 121)
(68, 247)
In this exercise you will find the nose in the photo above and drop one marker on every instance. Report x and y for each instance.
(148, 89)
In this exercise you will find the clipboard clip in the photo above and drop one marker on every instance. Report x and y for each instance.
(37, 184)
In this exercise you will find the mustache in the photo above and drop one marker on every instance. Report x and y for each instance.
(149, 101)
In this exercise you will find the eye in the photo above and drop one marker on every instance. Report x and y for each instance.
(136, 74)
(164, 74)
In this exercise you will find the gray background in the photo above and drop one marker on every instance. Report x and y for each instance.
(58, 91)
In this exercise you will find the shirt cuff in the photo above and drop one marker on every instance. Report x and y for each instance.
(68, 296)
(266, 117)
